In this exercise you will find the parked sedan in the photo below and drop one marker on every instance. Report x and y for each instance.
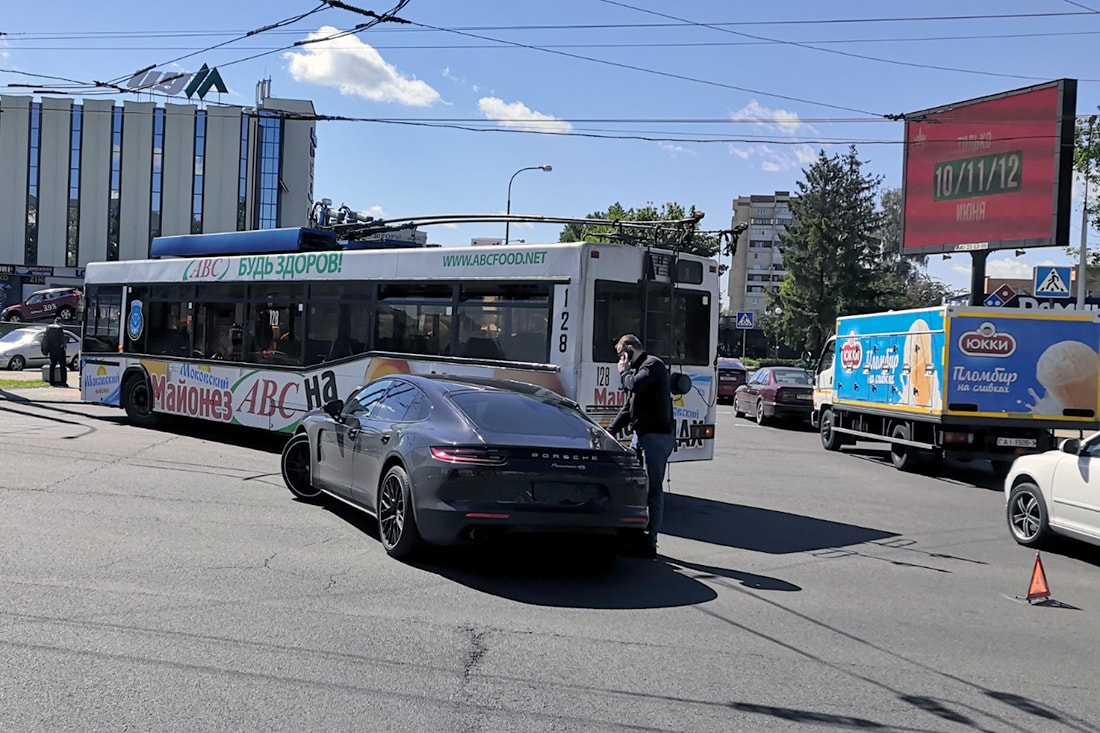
(22, 348)
(731, 375)
(1056, 492)
(451, 460)
(775, 392)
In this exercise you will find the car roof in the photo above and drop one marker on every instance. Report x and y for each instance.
(56, 290)
(729, 362)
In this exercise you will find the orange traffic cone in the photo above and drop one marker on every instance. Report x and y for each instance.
(1038, 590)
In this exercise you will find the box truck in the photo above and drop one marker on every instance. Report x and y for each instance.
(975, 383)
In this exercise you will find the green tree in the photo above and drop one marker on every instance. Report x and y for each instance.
(905, 283)
(1086, 162)
(701, 242)
(832, 252)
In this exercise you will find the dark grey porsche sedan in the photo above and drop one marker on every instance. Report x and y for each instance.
(450, 460)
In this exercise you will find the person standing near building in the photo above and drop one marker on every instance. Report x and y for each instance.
(648, 413)
(53, 344)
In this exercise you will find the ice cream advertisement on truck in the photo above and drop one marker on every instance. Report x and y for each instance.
(1046, 368)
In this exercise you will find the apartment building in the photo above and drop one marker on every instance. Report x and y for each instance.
(757, 267)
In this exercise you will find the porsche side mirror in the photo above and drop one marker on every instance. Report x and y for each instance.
(334, 408)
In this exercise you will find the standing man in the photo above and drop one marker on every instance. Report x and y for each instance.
(53, 343)
(648, 412)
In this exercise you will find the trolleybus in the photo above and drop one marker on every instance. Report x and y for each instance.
(259, 328)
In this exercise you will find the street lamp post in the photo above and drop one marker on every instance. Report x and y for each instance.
(508, 211)
(776, 313)
(1082, 270)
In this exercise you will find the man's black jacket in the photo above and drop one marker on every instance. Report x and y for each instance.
(54, 340)
(648, 407)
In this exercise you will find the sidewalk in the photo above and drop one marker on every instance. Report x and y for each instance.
(40, 394)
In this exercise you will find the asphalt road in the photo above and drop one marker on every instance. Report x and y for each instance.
(166, 581)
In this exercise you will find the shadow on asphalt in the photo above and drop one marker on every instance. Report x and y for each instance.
(556, 571)
(978, 473)
(759, 530)
(235, 435)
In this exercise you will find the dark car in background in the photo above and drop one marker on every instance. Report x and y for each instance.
(63, 303)
(731, 375)
(776, 392)
(451, 460)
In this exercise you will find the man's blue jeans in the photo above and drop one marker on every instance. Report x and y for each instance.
(656, 448)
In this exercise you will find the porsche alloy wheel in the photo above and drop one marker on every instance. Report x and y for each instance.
(396, 522)
(295, 466)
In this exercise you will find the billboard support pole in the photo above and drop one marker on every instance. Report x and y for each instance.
(977, 276)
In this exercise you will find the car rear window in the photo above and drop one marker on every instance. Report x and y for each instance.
(792, 376)
(504, 412)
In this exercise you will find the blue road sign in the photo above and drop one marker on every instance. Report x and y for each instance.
(745, 319)
(1051, 282)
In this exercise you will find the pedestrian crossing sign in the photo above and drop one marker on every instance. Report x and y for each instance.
(1052, 282)
(745, 319)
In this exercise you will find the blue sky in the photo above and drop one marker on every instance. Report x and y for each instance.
(639, 101)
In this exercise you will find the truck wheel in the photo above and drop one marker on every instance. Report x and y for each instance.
(904, 457)
(137, 400)
(830, 439)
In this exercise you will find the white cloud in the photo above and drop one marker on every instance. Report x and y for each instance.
(676, 150)
(777, 120)
(774, 121)
(1013, 269)
(355, 68)
(776, 158)
(519, 116)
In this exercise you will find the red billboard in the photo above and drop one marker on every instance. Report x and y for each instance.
(990, 173)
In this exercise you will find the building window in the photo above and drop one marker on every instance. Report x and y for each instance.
(114, 204)
(72, 228)
(30, 256)
(156, 187)
(197, 178)
(242, 182)
(270, 129)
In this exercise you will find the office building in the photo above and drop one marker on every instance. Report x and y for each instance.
(95, 180)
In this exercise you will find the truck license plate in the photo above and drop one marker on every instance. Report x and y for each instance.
(1017, 442)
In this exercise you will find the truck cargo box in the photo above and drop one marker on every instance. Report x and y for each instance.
(960, 362)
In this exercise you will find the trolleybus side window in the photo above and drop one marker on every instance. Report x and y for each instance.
(102, 316)
(219, 321)
(275, 324)
(504, 320)
(337, 323)
(414, 318)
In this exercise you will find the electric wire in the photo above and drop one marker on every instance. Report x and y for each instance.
(811, 47)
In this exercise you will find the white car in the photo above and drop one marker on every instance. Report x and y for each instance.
(22, 348)
(1056, 492)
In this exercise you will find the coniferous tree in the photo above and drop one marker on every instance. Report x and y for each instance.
(906, 284)
(832, 252)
